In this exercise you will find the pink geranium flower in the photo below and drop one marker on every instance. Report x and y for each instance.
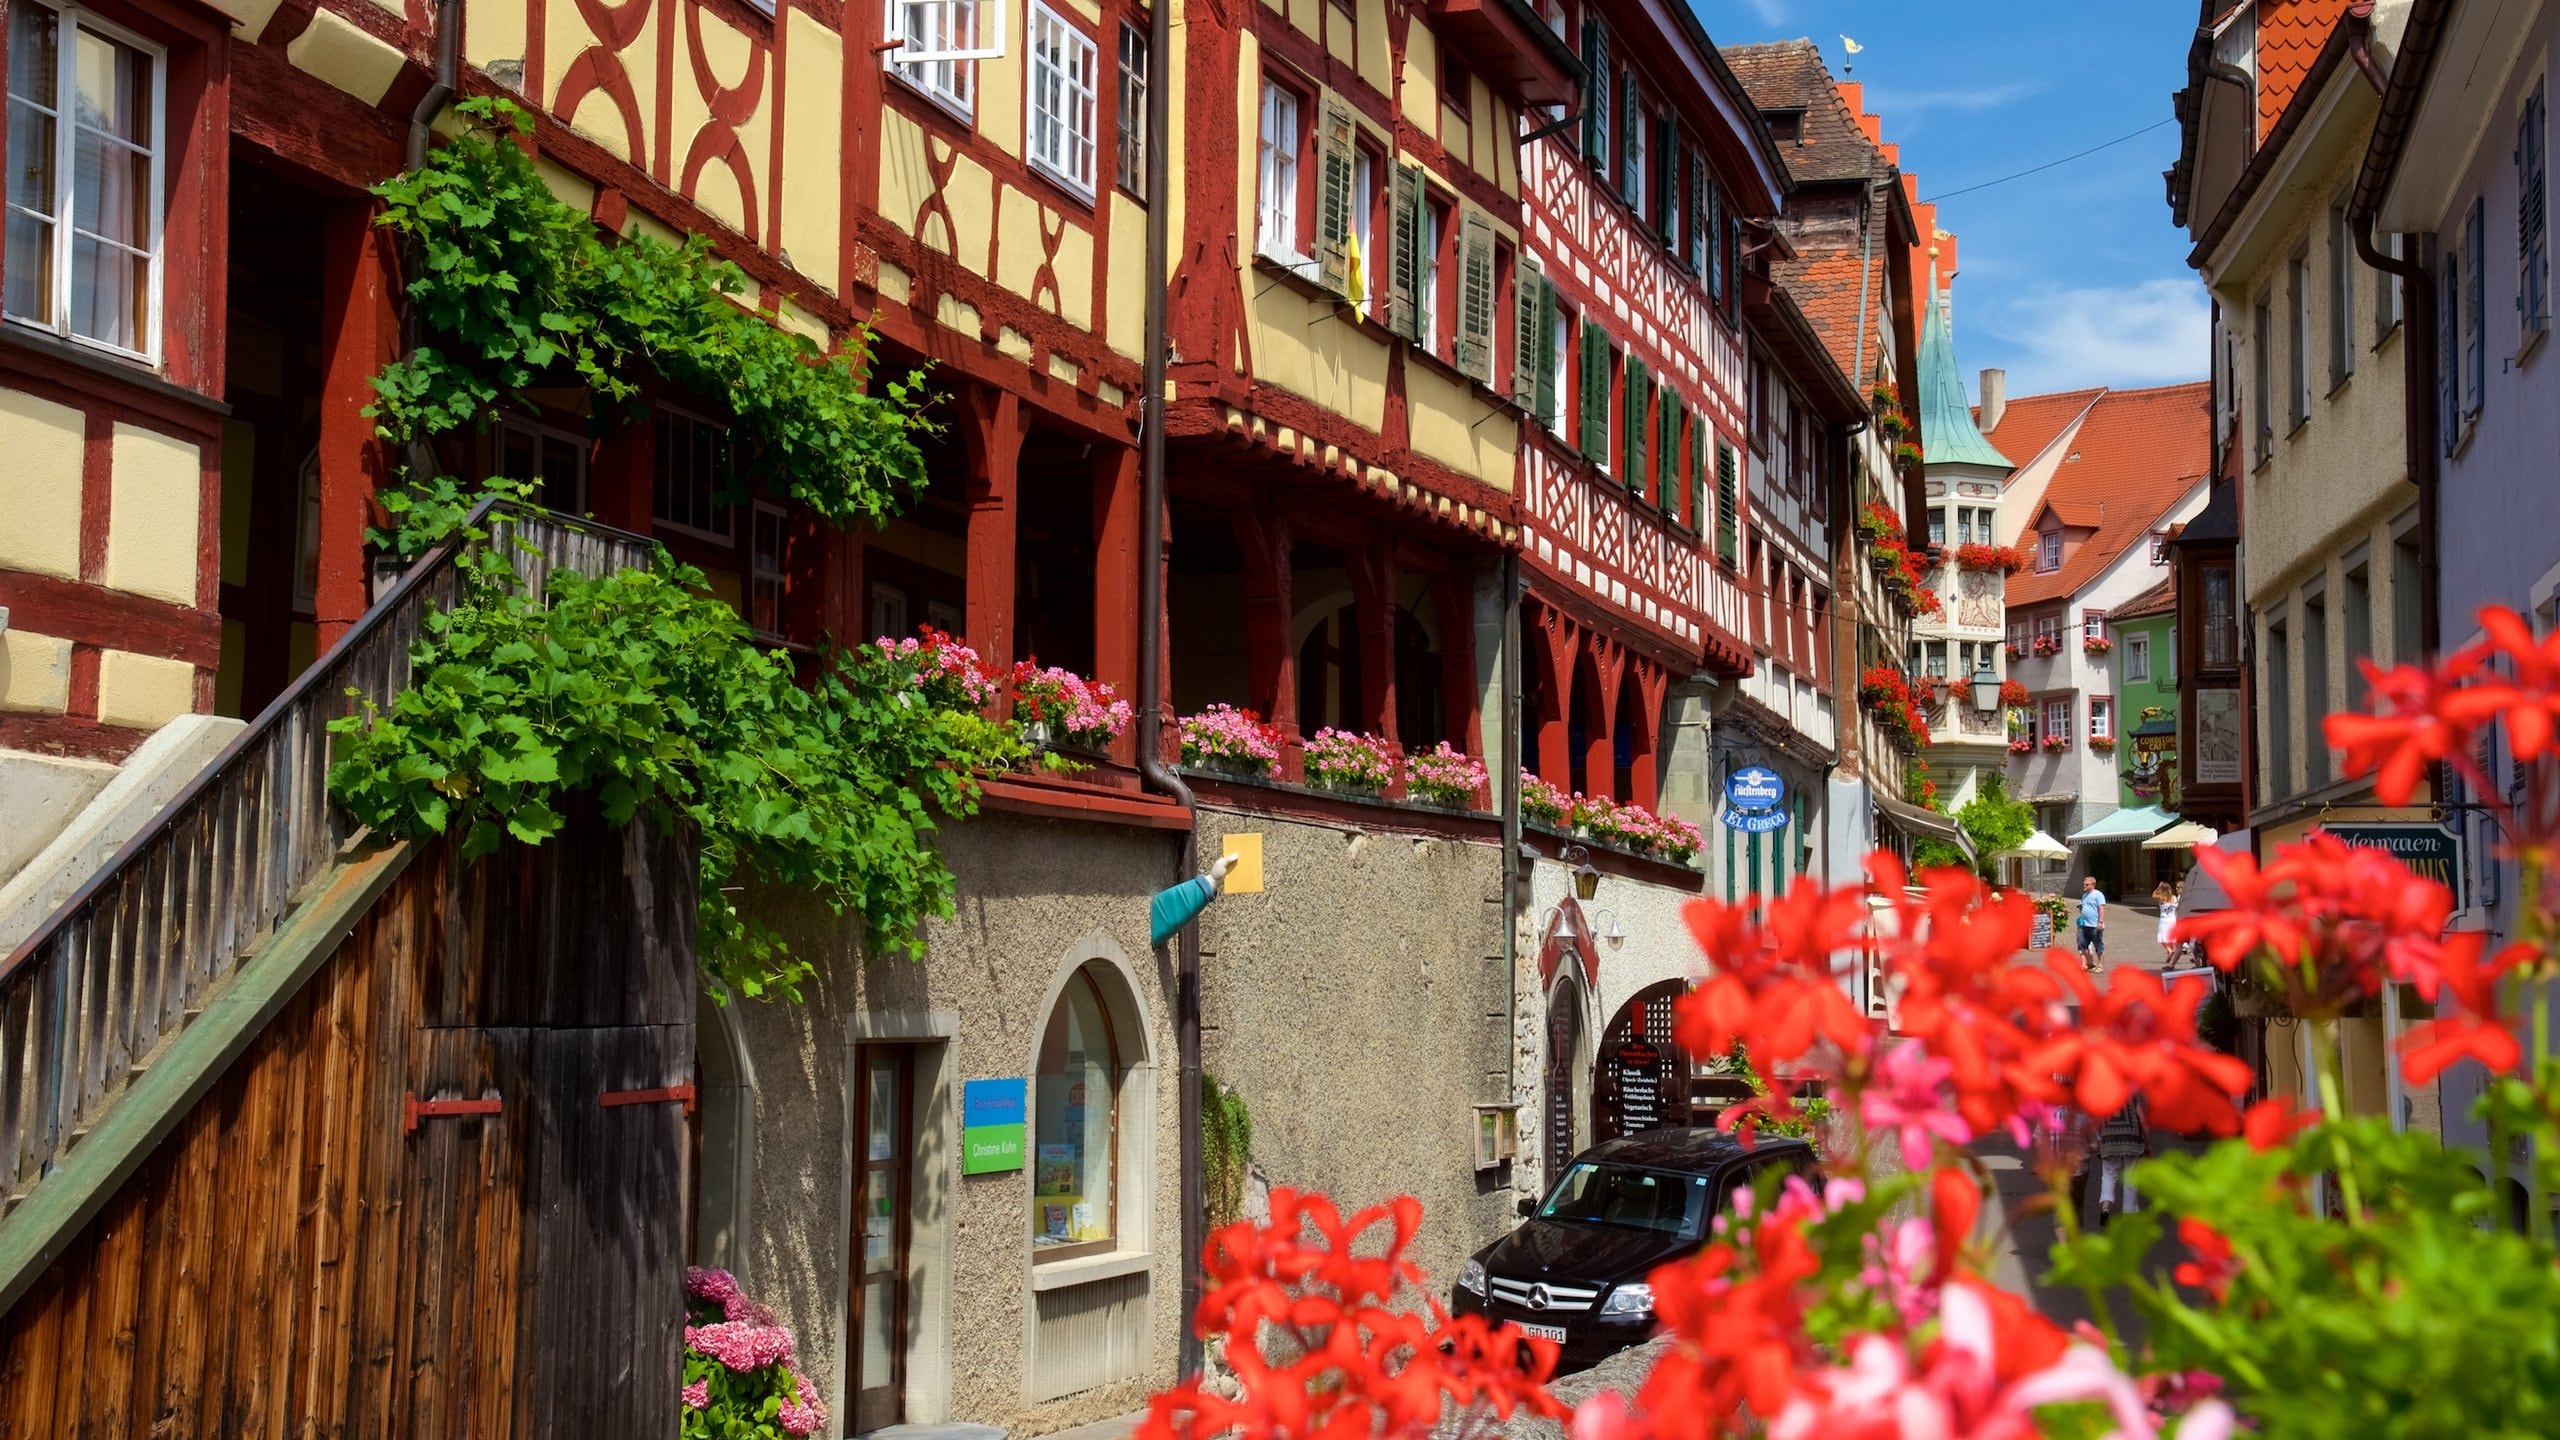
(1911, 1098)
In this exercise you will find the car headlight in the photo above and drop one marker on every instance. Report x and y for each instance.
(1471, 1279)
(1629, 1300)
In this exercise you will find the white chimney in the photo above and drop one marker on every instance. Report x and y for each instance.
(1995, 399)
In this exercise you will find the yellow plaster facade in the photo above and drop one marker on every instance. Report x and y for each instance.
(40, 486)
(154, 514)
(35, 673)
(812, 144)
(143, 691)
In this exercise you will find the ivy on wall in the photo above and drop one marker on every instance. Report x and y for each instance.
(640, 688)
(1226, 1150)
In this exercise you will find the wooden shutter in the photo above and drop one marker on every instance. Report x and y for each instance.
(1715, 242)
(2532, 288)
(1404, 264)
(1595, 392)
(1474, 351)
(1728, 506)
(1666, 456)
(1334, 161)
(1699, 519)
(1697, 210)
(1666, 180)
(1639, 417)
(1630, 134)
(1595, 94)
(1545, 360)
(1527, 339)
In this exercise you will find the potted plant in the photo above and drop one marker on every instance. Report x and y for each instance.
(2056, 744)
(2048, 643)
(949, 673)
(1349, 761)
(2102, 742)
(2012, 693)
(2015, 651)
(1053, 704)
(2096, 645)
(1236, 741)
(1444, 777)
(2022, 746)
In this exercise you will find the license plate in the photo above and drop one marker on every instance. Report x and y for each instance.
(1544, 1332)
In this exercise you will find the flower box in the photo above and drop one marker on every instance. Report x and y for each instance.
(1350, 762)
(1445, 777)
(2096, 645)
(2056, 744)
(2048, 645)
(2015, 652)
(1542, 803)
(1224, 737)
(2022, 746)
(2013, 693)
(2102, 742)
(1065, 708)
(948, 673)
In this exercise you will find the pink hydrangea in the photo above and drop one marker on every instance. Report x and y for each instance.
(741, 1345)
(703, 1283)
(802, 1415)
(697, 1395)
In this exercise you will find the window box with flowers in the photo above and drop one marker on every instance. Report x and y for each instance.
(1906, 456)
(1350, 762)
(2004, 559)
(2056, 744)
(2015, 651)
(1544, 804)
(1635, 829)
(1226, 738)
(2096, 645)
(1055, 706)
(1876, 524)
(947, 673)
(2013, 694)
(1444, 777)
(2021, 745)
(2102, 743)
(2047, 643)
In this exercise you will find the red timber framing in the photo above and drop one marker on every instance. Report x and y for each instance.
(1634, 550)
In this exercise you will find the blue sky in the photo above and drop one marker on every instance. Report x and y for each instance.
(2070, 277)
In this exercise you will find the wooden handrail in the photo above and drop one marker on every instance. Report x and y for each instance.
(123, 962)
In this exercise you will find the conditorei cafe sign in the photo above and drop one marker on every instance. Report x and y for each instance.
(1752, 796)
(2428, 850)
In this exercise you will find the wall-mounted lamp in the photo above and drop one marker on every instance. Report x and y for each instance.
(1606, 924)
(1986, 686)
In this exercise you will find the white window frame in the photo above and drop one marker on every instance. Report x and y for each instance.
(1055, 49)
(70, 20)
(2046, 728)
(538, 435)
(2093, 624)
(939, 60)
(1436, 219)
(1364, 205)
(761, 581)
(712, 509)
(2137, 659)
(1131, 139)
(2102, 717)
(1276, 198)
(2048, 551)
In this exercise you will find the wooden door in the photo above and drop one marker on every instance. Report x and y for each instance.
(1564, 1037)
(884, 1112)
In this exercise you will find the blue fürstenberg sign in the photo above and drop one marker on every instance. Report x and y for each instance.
(1752, 795)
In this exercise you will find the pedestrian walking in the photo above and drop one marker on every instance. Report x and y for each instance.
(2169, 896)
(2093, 924)
(2125, 1138)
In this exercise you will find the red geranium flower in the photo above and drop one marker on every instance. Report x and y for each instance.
(2212, 1270)
(2482, 1034)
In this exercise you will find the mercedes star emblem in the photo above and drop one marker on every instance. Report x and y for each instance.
(1539, 1299)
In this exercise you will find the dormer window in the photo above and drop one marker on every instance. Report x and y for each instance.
(2048, 551)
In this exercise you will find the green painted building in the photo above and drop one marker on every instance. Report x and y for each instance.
(2145, 631)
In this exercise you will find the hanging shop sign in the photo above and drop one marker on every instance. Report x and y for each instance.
(990, 1126)
(2428, 850)
(1752, 796)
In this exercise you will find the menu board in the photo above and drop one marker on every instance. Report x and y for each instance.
(1639, 1087)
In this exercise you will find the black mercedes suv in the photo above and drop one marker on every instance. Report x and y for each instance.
(1574, 1272)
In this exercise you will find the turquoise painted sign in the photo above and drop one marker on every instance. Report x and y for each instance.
(990, 1126)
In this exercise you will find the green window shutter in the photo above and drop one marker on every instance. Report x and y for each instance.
(1639, 418)
(1474, 350)
(1333, 198)
(1666, 457)
(1594, 430)
(1715, 243)
(1404, 266)
(1728, 506)
(1630, 135)
(1595, 94)
(1698, 517)
(1527, 284)
(1545, 359)
(1697, 211)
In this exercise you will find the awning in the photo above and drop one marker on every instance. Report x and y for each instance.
(1923, 822)
(2039, 846)
(2203, 892)
(2186, 834)
(2134, 822)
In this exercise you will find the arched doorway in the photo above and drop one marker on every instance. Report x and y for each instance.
(1641, 1080)
(1568, 1056)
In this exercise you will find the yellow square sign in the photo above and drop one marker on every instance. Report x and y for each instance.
(1246, 877)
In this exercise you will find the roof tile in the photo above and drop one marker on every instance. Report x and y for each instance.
(2136, 454)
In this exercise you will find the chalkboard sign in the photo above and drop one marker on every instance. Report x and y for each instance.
(2042, 939)
(1639, 1087)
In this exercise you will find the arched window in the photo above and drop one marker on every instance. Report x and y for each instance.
(1076, 1125)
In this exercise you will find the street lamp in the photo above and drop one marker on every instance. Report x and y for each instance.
(1986, 687)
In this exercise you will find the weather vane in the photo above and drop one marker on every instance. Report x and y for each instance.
(1849, 65)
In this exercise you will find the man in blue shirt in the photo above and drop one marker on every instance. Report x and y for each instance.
(2093, 923)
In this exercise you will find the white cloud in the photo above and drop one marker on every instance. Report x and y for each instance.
(1771, 12)
(2153, 332)
(1900, 105)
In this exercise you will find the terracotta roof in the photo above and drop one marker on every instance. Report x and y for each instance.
(2290, 34)
(2160, 599)
(1825, 288)
(2030, 422)
(2136, 454)
(1790, 75)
